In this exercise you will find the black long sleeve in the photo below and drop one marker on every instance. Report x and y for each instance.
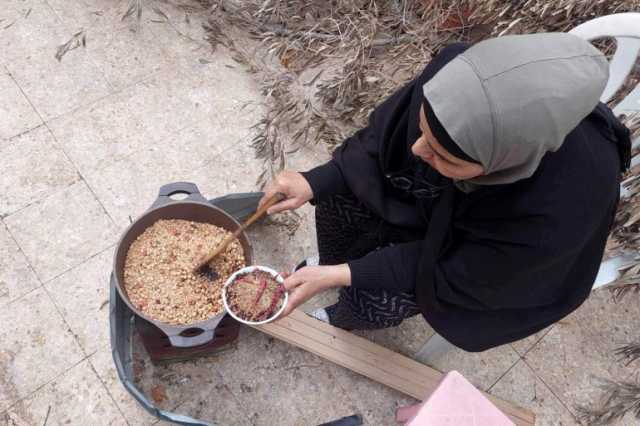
(484, 269)
(326, 180)
(390, 268)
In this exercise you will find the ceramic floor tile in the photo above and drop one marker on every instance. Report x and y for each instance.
(251, 375)
(233, 171)
(186, 46)
(36, 346)
(75, 398)
(522, 387)
(126, 51)
(30, 25)
(128, 187)
(281, 381)
(305, 158)
(375, 402)
(32, 168)
(73, 83)
(210, 398)
(277, 246)
(82, 296)
(581, 348)
(16, 277)
(102, 362)
(204, 144)
(482, 369)
(128, 56)
(174, 25)
(524, 345)
(406, 339)
(215, 405)
(178, 142)
(17, 114)
(100, 134)
(99, 19)
(168, 386)
(53, 87)
(161, 103)
(314, 382)
(212, 83)
(62, 231)
(232, 97)
(180, 387)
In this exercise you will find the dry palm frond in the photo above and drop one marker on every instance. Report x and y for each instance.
(290, 221)
(624, 287)
(629, 353)
(324, 66)
(625, 237)
(365, 49)
(134, 9)
(77, 40)
(620, 398)
(531, 16)
(329, 64)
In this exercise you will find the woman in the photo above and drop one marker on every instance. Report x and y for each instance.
(480, 195)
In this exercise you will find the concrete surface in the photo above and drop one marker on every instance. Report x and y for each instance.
(85, 144)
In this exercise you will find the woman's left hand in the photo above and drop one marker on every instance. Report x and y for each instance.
(305, 283)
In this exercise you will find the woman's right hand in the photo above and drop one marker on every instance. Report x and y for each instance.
(295, 188)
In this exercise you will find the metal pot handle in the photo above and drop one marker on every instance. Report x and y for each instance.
(170, 189)
(178, 338)
(187, 342)
(240, 206)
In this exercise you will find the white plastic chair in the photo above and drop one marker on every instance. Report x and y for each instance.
(625, 28)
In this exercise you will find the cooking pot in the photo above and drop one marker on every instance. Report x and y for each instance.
(193, 207)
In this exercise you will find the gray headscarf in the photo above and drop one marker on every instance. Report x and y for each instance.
(509, 100)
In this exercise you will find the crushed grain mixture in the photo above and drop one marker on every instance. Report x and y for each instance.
(158, 277)
(255, 296)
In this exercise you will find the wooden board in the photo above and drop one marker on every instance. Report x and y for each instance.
(371, 360)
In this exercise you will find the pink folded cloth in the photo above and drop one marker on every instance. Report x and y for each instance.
(455, 402)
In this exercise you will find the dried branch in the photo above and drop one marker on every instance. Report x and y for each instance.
(77, 40)
(629, 353)
(134, 9)
(619, 399)
(289, 221)
(323, 66)
(366, 49)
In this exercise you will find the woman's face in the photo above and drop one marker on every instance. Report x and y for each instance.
(430, 151)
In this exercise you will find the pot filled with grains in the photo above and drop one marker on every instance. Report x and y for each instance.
(155, 256)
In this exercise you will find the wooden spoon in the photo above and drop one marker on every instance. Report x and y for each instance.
(203, 265)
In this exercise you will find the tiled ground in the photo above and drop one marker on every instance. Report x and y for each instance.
(84, 145)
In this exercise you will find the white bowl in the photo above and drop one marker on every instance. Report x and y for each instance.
(245, 270)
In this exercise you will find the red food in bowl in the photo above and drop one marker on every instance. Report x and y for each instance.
(255, 296)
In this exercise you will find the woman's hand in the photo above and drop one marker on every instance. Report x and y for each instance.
(305, 283)
(295, 188)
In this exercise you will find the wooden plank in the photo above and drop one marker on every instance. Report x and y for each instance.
(371, 360)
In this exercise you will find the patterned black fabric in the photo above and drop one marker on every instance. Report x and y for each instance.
(348, 230)
(369, 310)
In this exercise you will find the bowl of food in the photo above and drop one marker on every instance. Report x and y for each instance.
(255, 295)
